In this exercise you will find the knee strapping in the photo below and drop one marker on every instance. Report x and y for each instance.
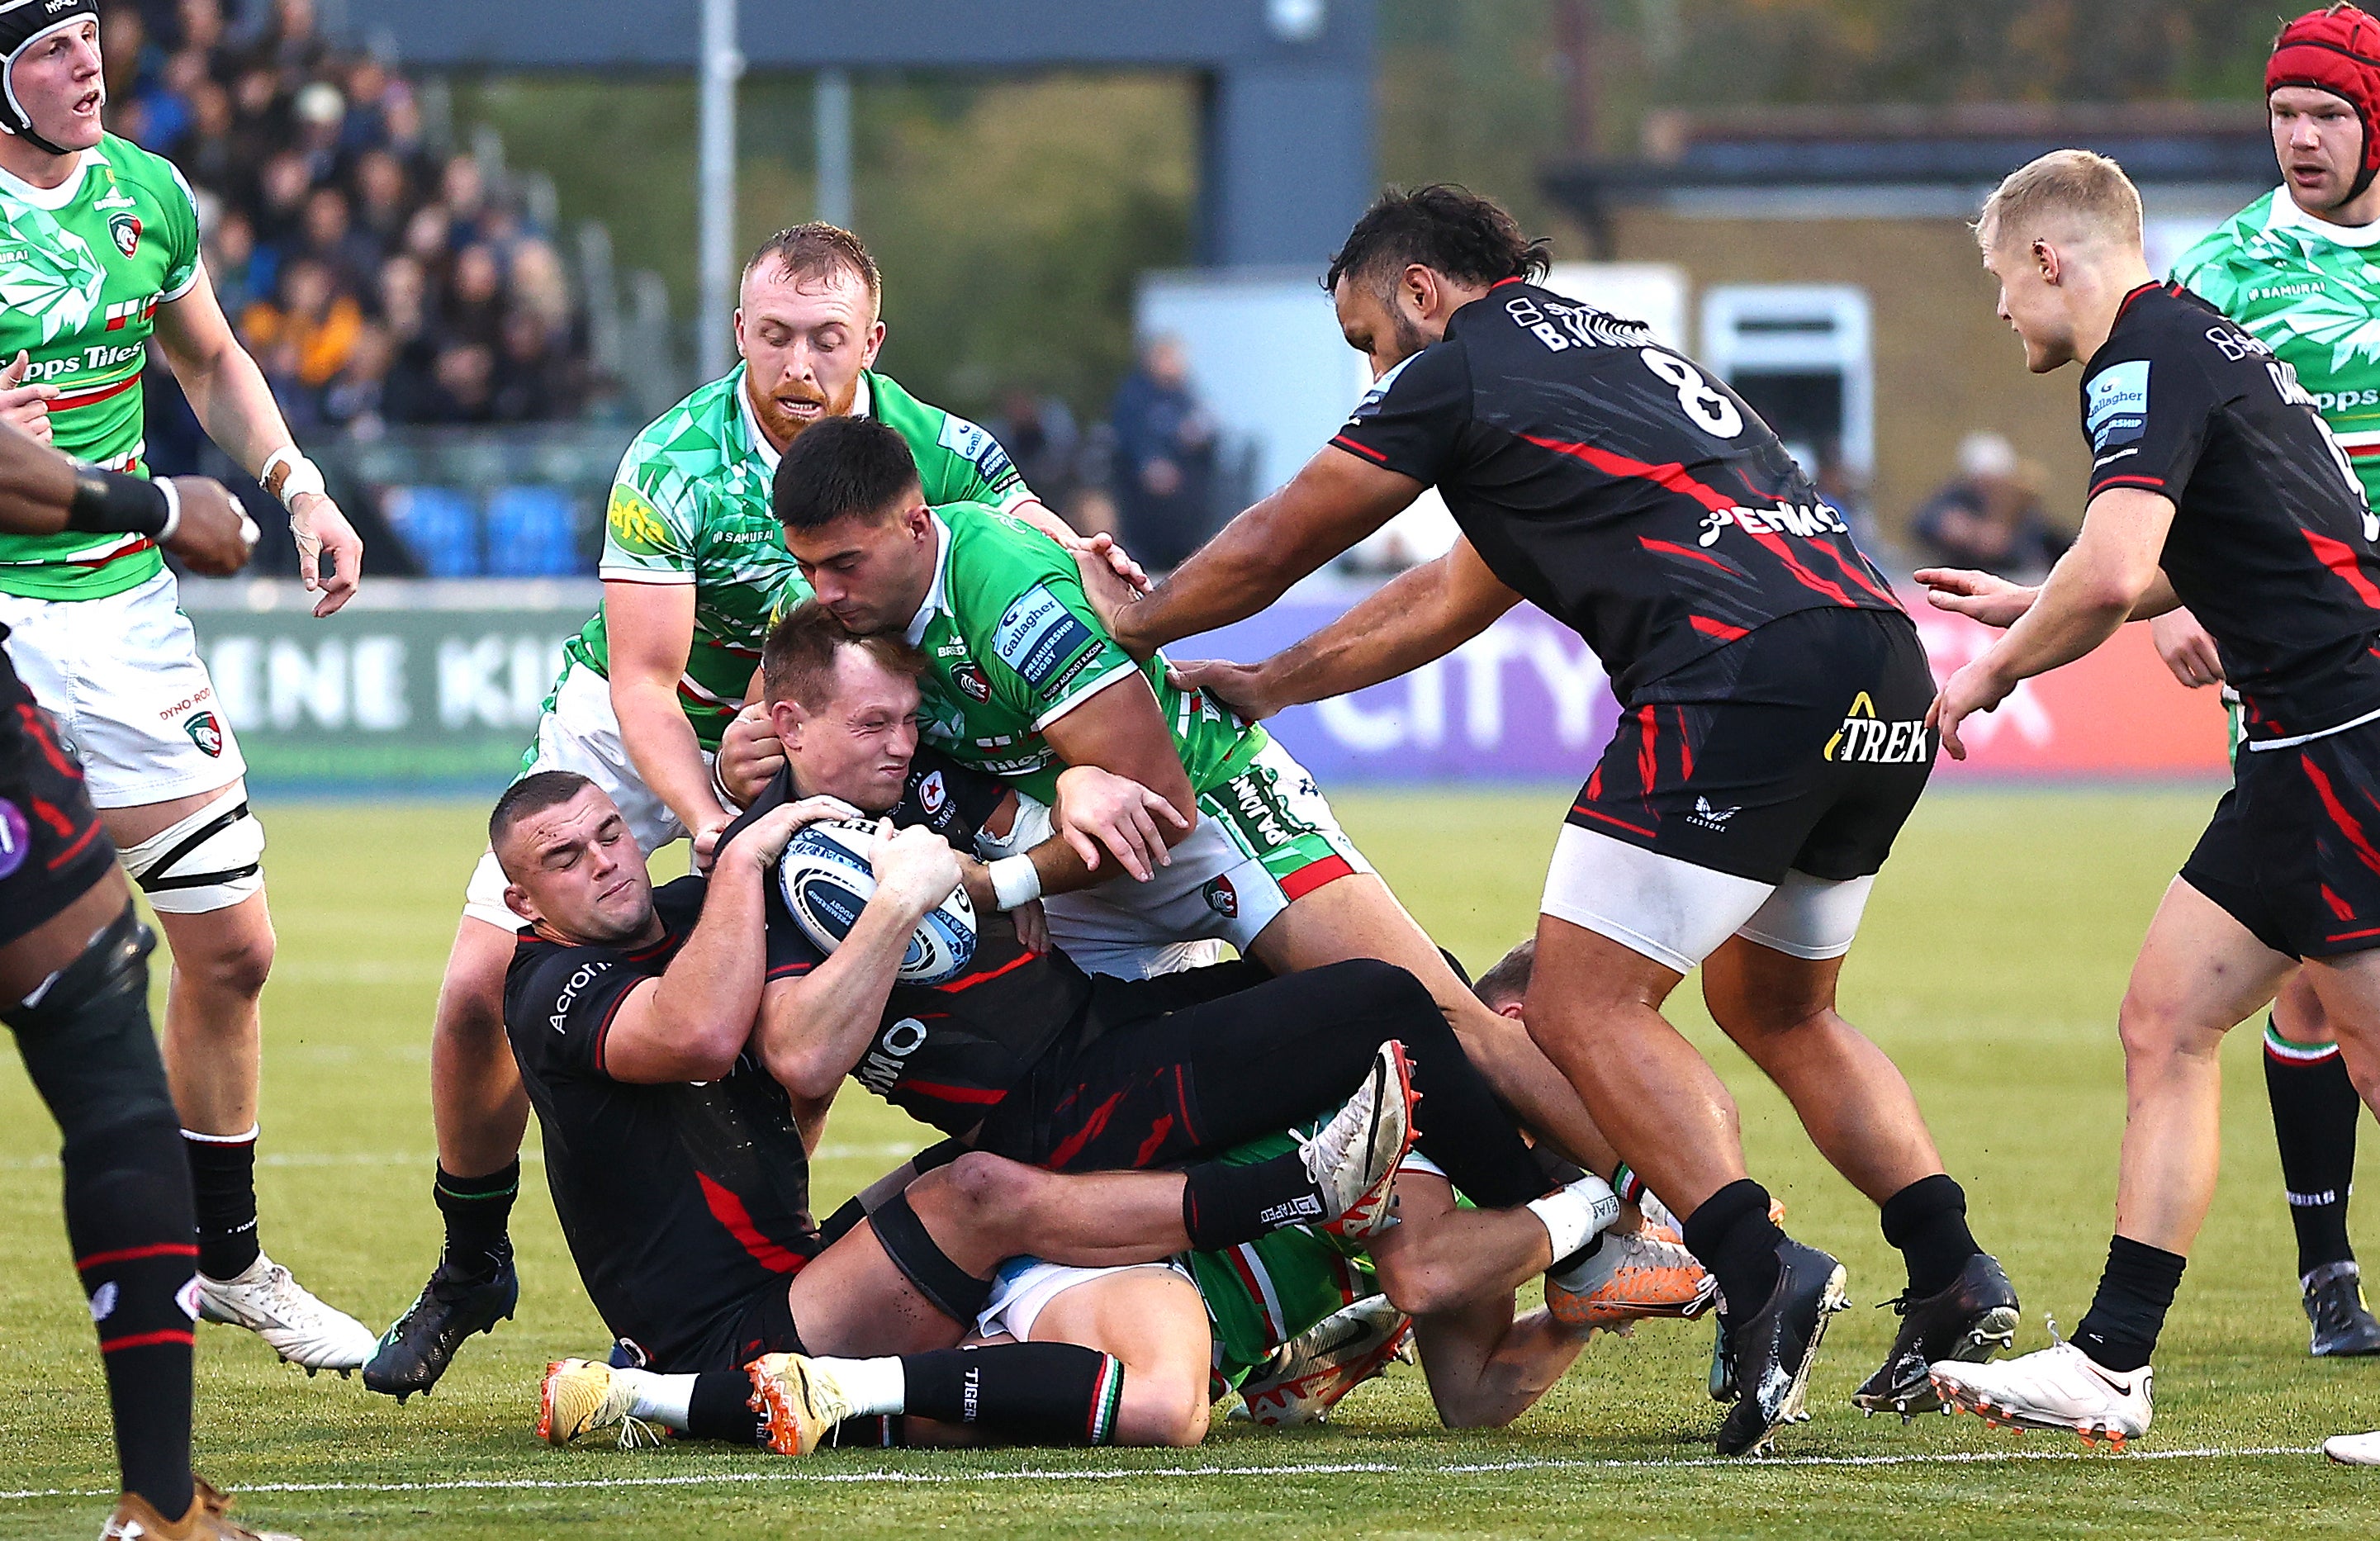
(949, 1288)
(210, 861)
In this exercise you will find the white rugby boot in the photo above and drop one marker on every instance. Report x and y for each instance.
(2353, 1450)
(2057, 1388)
(268, 1302)
(1353, 1157)
(1312, 1372)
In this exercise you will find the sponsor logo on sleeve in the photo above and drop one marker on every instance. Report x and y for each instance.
(1038, 636)
(1370, 405)
(634, 523)
(2116, 412)
(970, 443)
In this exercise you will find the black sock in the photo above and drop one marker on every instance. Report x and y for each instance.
(1736, 1240)
(1030, 1394)
(1461, 1125)
(720, 1408)
(223, 1182)
(477, 1210)
(2119, 1332)
(1927, 1221)
(1223, 1204)
(2315, 1111)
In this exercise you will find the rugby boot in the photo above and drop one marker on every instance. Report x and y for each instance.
(579, 1396)
(1629, 1278)
(1312, 1372)
(2353, 1450)
(798, 1402)
(2343, 1325)
(295, 1325)
(1353, 1157)
(136, 1519)
(1964, 1321)
(2057, 1388)
(414, 1353)
(1772, 1348)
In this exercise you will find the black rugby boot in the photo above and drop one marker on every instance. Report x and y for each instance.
(1771, 1349)
(1966, 1320)
(451, 1307)
(2343, 1325)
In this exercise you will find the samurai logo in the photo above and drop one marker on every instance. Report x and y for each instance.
(126, 229)
(206, 731)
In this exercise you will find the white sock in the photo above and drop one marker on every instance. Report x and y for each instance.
(1575, 1215)
(869, 1387)
(661, 1399)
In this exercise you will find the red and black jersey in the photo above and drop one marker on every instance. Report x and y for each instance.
(946, 1054)
(679, 1202)
(52, 847)
(2272, 546)
(1619, 488)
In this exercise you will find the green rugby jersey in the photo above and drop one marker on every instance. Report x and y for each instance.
(690, 505)
(83, 267)
(1262, 1293)
(2310, 291)
(1013, 644)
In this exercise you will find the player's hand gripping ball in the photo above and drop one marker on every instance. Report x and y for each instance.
(826, 880)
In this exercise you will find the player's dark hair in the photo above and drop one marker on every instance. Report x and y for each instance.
(1507, 979)
(531, 794)
(1444, 227)
(797, 661)
(840, 468)
(816, 251)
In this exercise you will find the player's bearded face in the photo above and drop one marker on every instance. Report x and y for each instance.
(2318, 140)
(805, 342)
(59, 84)
(1376, 325)
(858, 746)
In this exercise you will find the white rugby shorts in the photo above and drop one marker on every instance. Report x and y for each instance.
(581, 733)
(1025, 1286)
(1677, 914)
(133, 701)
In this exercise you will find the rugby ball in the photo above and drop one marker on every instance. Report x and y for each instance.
(826, 882)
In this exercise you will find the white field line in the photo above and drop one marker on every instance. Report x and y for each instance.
(1340, 1468)
(880, 1151)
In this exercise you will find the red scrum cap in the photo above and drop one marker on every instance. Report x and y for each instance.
(2336, 49)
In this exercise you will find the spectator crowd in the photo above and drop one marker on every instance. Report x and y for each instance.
(375, 281)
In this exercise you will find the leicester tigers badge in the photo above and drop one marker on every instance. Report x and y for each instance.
(969, 678)
(206, 732)
(1221, 897)
(126, 229)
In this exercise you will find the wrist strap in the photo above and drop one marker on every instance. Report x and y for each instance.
(1014, 882)
(173, 510)
(288, 475)
(719, 790)
(113, 503)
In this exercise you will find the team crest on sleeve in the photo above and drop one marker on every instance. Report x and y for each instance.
(2117, 410)
(206, 730)
(1038, 635)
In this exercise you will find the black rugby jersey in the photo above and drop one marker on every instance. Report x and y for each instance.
(1618, 487)
(680, 1201)
(2272, 546)
(945, 1054)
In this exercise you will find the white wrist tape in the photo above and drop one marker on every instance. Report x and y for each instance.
(173, 509)
(296, 475)
(1014, 882)
(1576, 1214)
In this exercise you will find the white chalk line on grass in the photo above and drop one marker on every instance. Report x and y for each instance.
(1337, 1468)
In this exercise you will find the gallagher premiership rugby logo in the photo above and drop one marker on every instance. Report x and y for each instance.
(205, 732)
(126, 229)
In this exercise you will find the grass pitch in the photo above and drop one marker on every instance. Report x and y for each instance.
(1995, 952)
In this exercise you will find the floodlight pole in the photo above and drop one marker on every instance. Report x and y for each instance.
(721, 63)
(832, 126)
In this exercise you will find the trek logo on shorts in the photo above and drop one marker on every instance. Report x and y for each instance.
(16, 838)
(1220, 897)
(1867, 739)
(1038, 636)
(206, 731)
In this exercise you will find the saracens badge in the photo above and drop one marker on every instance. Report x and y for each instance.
(126, 229)
(206, 732)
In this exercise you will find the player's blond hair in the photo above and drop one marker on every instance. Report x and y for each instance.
(2069, 192)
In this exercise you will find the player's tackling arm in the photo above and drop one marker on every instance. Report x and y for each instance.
(1121, 729)
(650, 631)
(1424, 614)
(2110, 575)
(43, 492)
(228, 394)
(1331, 503)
